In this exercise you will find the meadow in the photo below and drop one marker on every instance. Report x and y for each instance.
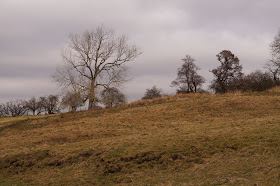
(195, 139)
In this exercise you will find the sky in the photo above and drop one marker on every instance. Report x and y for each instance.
(33, 32)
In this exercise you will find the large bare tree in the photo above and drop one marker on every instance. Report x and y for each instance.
(273, 65)
(95, 59)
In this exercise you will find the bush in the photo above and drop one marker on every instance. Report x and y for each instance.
(258, 81)
(112, 97)
(152, 93)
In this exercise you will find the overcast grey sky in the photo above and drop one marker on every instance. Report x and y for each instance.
(33, 32)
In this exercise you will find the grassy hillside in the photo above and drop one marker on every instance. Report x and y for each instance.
(191, 139)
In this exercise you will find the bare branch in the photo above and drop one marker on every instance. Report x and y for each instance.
(93, 59)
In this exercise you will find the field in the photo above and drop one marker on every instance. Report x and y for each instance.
(197, 139)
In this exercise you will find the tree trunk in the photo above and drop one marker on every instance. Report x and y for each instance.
(91, 99)
(275, 79)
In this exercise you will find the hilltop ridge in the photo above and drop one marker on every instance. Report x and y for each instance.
(192, 139)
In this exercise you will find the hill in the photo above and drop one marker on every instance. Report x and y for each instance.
(186, 139)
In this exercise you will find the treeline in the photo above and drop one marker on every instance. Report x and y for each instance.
(42, 105)
(228, 76)
(53, 104)
(94, 70)
(96, 60)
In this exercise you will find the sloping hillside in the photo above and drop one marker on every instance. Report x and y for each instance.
(192, 139)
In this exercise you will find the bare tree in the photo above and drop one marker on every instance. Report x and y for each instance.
(15, 108)
(227, 74)
(42, 106)
(94, 59)
(187, 78)
(2, 113)
(52, 104)
(273, 65)
(154, 92)
(112, 97)
(5, 110)
(274, 68)
(72, 100)
(49, 104)
(32, 105)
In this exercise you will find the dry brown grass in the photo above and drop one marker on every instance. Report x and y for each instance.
(196, 139)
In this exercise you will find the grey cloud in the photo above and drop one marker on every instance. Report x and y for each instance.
(21, 70)
(24, 88)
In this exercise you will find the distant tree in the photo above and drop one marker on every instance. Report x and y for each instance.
(112, 97)
(258, 81)
(187, 78)
(95, 59)
(15, 108)
(32, 105)
(226, 75)
(5, 110)
(273, 65)
(72, 100)
(274, 70)
(50, 104)
(154, 92)
(2, 113)
(42, 106)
